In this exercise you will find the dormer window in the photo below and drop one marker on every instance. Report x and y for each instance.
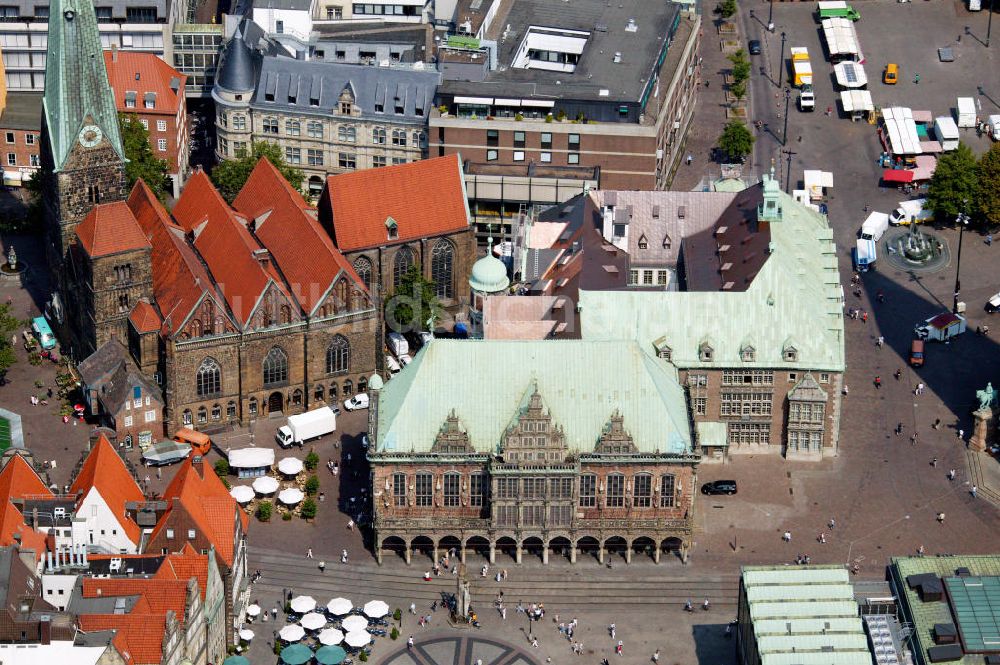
(667, 242)
(706, 353)
(748, 354)
(643, 243)
(790, 354)
(664, 353)
(392, 229)
(345, 108)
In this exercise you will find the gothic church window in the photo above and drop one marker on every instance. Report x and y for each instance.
(275, 367)
(400, 264)
(209, 380)
(442, 263)
(363, 266)
(338, 355)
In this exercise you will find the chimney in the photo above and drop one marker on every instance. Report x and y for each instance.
(263, 257)
(198, 464)
(45, 629)
(114, 53)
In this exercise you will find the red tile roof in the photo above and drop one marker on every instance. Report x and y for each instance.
(14, 530)
(19, 480)
(226, 245)
(140, 73)
(425, 198)
(138, 637)
(184, 565)
(287, 226)
(145, 318)
(207, 501)
(105, 471)
(160, 594)
(110, 228)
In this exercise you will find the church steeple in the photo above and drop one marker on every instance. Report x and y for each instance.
(79, 104)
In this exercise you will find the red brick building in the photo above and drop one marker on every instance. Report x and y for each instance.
(145, 85)
(20, 129)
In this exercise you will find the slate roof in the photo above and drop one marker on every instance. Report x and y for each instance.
(142, 73)
(77, 80)
(581, 384)
(287, 226)
(795, 299)
(424, 198)
(105, 471)
(324, 81)
(110, 228)
(238, 64)
(113, 374)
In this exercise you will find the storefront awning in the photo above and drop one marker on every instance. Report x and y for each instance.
(897, 175)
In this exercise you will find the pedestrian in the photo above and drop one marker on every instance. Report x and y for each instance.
(309, 553)
(706, 606)
(878, 382)
(973, 491)
(350, 525)
(274, 613)
(951, 475)
(961, 433)
(846, 389)
(832, 524)
(503, 614)
(787, 537)
(343, 556)
(989, 242)
(864, 316)
(618, 649)
(913, 439)
(322, 497)
(413, 608)
(940, 518)
(919, 390)
(937, 423)
(322, 566)
(934, 462)
(409, 642)
(656, 654)
(898, 373)
(916, 79)
(690, 159)
(920, 551)
(899, 429)
(880, 341)
(611, 629)
(534, 642)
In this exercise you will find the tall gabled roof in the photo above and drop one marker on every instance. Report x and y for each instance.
(226, 245)
(142, 74)
(110, 228)
(288, 228)
(19, 480)
(184, 565)
(105, 471)
(76, 80)
(424, 198)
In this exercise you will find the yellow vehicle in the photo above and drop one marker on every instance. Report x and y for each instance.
(891, 75)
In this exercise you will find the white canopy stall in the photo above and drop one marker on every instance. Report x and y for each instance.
(850, 75)
(899, 131)
(857, 103)
(816, 182)
(251, 462)
(841, 39)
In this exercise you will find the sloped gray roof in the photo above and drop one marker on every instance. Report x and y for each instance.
(111, 372)
(237, 68)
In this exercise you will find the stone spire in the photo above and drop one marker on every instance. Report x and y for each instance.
(77, 92)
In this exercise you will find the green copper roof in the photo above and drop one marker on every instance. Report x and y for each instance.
(76, 81)
(795, 302)
(580, 383)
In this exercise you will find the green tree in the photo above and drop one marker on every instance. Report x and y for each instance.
(988, 195)
(221, 468)
(230, 176)
(741, 66)
(726, 8)
(264, 510)
(414, 302)
(10, 326)
(312, 460)
(142, 163)
(738, 90)
(308, 510)
(312, 485)
(953, 185)
(736, 140)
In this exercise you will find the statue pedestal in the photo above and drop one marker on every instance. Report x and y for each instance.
(983, 429)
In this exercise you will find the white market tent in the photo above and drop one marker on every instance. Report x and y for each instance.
(242, 493)
(290, 496)
(265, 485)
(251, 458)
(290, 466)
(339, 606)
(330, 636)
(312, 621)
(816, 182)
(857, 101)
(354, 623)
(293, 633)
(358, 638)
(376, 609)
(841, 39)
(850, 75)
(303, 604)
(901, 131)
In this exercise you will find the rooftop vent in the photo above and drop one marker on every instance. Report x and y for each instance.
(618, 56)
(631, 26)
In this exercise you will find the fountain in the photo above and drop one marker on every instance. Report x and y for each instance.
(913, 249)
(12, 267)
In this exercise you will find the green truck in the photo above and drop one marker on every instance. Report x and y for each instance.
(837, 9)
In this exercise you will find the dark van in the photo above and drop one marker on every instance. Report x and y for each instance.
(917, 353)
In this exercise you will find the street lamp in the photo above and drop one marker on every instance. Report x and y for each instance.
(770, 16)
(781, 60)
(963, 221)
(989, 25)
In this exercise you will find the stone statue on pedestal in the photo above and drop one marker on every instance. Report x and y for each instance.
(984, 424)
(463, 596)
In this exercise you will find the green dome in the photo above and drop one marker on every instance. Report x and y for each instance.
(489, 274)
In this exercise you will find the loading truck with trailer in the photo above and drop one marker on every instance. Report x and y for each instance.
(304, 426)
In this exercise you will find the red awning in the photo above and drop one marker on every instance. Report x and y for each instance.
(897, 175)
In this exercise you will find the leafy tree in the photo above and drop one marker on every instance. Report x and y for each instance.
(10, 326)
(394, 633)
(988, 195)
(308, 510)
(142, 163)
(363, 657)
(311, 461)
(741, 66)
(230, 176)
(222, 468)
(736, 140)
(312, 485)
(953, 185)
(727, 8)
(414, 302)
(738, 90)
(264, 510)
(33, 219)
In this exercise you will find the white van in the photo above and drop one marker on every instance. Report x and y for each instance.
(873, 227)
(946, 132)
(398, 344)
(912, 211)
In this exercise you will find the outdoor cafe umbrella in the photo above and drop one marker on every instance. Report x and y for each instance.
(290, 466)
(330, 655)
(303, 604)
(339, 606)
(246, 634)
(253, 610)
(296, 654)
(292, 633)
(353, 623)
(358, 638)
(376, 609)
(265, 485)
(312, 621)
(290, 496)
(236, 660)
(242, 493)
(330, 636)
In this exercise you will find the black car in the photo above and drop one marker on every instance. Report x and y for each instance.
(754, 47)
(719, 487)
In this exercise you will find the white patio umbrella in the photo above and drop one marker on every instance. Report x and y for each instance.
(292, 633)
(253, 610)
(265, 485)
(339, 606)
(303, 604)
(290, 496)
(246, 634)
(312, 621)
(330, 636)
(242, 493)
(290, 466)
(354, 623)
(376, 609)
(358, 638)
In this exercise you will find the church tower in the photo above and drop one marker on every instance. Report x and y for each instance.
(83, 158)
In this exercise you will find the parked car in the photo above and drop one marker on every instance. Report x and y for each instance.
(993, 304)
(917, 353)
(391, 364)
(754, 47)
(719, 487)
(405, 359)
(359, 401)
(891, 74)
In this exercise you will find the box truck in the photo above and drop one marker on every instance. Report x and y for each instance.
(965, 112)
(873, 227)
(398, 344)
(864, 255)
(911, 212)
(993, 127)
(305, 426)
(941, 327)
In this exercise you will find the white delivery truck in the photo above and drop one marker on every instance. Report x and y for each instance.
(993, 127)
(398, 344)
(946, 132)
(942, 327)
(965, 112)
(864, 255)
(911, 212)
(873, 227)
(305, 426)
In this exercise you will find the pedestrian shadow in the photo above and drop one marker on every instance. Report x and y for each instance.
(712, 645)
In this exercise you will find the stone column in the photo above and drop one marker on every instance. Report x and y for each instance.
(493, 552)
(378, 551)
(572, 553)
(517, 554)
(600, 553)
(656, 553)
(409, 552)
(434, 555)
(628, 552)
(983, 428)
(545, 552)
(461, 554)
